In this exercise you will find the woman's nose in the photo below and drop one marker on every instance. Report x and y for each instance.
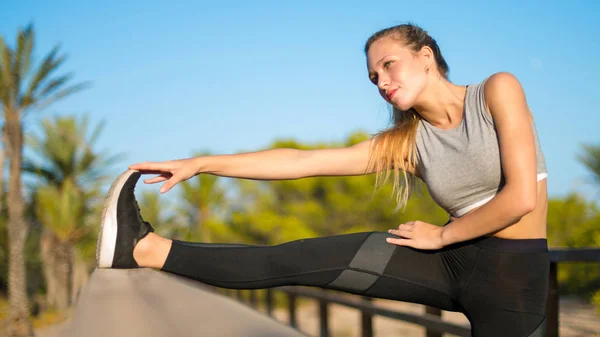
(382, 83)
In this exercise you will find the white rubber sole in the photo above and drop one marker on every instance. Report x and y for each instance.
(107, 238)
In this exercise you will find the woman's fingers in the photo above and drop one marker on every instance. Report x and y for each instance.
(151, 167)
(402, 233)
(155, 180)
(407, 226)
(166, 187)
(405, 230)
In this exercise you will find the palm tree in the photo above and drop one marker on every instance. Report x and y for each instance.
(62, 209)
(17, 99)
(153, 210)
(202, 198)
(71, 172)
(591, 159)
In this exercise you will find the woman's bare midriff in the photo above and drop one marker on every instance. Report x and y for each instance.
(532, 225)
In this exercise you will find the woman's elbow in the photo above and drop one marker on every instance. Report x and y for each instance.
(529, 205)
(526, 203)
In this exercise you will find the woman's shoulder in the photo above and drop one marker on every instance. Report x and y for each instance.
(498, 83)
(500, 86)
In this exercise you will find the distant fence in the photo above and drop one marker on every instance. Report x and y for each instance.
(431, 320)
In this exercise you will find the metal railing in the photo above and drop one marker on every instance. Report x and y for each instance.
(431, 320)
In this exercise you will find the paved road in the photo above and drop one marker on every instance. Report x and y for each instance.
(148, 303)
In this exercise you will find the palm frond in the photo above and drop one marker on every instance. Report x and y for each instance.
(61, 210)
(66, 152)
(21, 61)
(25, 52)
(590, 158)
(47, 174)
(97, 131)
(54, 85)
(6, 58)
(43, 103)
(201, 192)
(46, 67)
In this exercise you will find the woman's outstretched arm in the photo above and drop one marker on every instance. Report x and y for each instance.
(272, 164)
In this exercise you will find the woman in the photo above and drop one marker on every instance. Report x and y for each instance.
(475, 147)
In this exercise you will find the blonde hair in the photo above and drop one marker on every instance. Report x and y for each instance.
(395, 149)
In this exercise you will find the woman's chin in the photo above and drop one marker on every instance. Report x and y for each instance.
(401, 106)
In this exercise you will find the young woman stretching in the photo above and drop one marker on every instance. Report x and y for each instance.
(475, 147)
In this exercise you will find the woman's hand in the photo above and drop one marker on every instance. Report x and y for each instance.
(418, 234)
(173, 171)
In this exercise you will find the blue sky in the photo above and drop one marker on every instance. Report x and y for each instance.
(172, 79)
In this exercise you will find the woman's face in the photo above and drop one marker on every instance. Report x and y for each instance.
(397, 71)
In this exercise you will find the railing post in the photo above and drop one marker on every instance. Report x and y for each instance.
(269, 300)
(253, 298)
(366, 321)
(324, 318)
(436, 312)
(292, 310)
(553, 304)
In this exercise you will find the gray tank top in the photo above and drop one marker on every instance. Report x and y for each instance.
(462, 166)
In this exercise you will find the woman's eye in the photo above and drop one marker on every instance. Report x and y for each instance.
(387, 64)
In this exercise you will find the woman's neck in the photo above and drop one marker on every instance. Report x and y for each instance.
(442, 104)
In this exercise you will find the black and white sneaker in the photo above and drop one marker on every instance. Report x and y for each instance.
(121, 225)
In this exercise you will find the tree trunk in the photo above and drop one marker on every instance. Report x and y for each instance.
(2, 165)
(80, 275)
(18, 317)
(204, 230)
(57, 258)
(46, 247)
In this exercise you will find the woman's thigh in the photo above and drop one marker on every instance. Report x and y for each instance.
(507, 292)
(429, 277)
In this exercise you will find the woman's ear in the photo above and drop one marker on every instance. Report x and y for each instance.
(428, 57)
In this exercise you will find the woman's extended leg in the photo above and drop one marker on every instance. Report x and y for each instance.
(358, 263)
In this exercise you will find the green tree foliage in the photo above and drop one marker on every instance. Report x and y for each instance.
(154, 211)
(574, 222)
(590, 158)
(202, 202)
(65, 152)
(590, 233)
(23, 89)
(69, 173)
(62, 209)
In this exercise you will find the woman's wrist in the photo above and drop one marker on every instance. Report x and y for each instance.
(202, 164)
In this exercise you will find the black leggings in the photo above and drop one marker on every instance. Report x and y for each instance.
(501, 285)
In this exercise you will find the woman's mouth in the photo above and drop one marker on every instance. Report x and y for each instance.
(390, 94)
